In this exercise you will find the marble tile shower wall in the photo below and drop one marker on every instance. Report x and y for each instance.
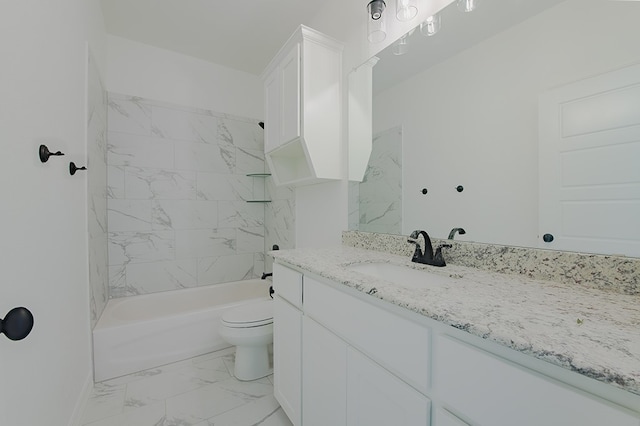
(375, 204)
(97, 191)
(177, 197)
(279, 217)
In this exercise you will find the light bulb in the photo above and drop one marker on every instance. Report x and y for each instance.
(401, 46)
(467, 5)
(431, 25)
(376, 22)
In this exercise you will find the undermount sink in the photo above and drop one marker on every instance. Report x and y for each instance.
(401, 275)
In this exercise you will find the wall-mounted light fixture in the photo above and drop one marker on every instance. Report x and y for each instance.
(376, 22)
(405, 11)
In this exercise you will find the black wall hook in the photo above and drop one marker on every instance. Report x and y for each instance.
(459, 188)
(44, 153)
(17, 324)
(73, 168)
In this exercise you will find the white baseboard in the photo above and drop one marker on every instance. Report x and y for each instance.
(81, 403)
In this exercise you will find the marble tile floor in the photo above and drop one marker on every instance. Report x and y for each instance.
(200, 391)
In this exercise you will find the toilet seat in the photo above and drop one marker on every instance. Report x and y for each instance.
(249, 315)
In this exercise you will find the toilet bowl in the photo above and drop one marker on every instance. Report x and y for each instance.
(250, 329)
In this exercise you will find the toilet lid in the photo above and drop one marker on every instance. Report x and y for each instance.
(250, 315)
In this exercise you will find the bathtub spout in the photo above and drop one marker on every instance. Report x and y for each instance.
(265, 275)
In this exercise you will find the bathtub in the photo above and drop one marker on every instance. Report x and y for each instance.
(140, 332)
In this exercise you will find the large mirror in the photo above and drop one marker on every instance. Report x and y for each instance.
(457, 122)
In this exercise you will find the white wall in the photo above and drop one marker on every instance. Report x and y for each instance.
(141, 70)
(472, 120)
(44, 210)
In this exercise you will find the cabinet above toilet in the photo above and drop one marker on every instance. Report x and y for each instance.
(303, 109)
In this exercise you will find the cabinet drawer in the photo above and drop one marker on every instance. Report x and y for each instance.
(398, 344)
(491, 391)
(287, 283)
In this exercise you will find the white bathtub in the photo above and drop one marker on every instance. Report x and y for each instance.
(141, 332)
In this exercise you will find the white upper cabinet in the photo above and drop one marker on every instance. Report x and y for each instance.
(303, 109)
(290, 103)
(272, 116)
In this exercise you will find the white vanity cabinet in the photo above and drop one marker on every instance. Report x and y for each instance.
(341, 384)
(340, 334)
(303, 109)
(367, 362)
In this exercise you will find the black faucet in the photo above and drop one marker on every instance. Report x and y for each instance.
(428, 257)
(460, 231)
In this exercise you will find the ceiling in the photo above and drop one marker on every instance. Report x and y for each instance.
(246, 34)
(239, 34)
(459, 31)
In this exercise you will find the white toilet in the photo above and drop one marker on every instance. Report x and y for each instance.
(250, 328)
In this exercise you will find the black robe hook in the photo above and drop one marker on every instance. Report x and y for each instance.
(44, 153)
(73, 168)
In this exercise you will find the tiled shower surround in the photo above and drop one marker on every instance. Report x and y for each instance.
(96, 191)
(178, 192)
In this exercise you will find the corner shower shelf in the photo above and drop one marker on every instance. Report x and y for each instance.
(259, 175)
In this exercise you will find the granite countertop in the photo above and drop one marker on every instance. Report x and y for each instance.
(593, 332)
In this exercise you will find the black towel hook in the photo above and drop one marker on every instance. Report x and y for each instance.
(73, 168)
(44, 153)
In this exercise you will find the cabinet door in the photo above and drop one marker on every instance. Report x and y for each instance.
(287, 357)
(324, 376)
(399, 345)
(377, 398)
(290, 96)
(272, 111)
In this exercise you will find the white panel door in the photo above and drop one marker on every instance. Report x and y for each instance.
(377, 398)
(287, 358)
(589, 164)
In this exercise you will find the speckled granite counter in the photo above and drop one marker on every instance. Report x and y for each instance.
(587, 330)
